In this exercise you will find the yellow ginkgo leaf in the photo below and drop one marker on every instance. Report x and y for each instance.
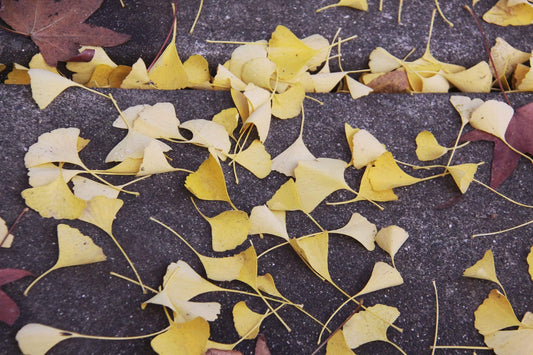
(265, 221)
(349, 132)
(258, 71)
(492, 117)
(86, 189)
(483, 269)
(506, 57)
(44, 174)
(100, 76)
(381, 61)
(530, 263)
(285, 198)
(356, 4)
(246, 321)
(325, 82)
(208, 134)
(289, 103)
(18, 76)
(208, 182)
(475, 79)
(510, 12)
(337, 345)
(228, 118)
(255, 158)
(266, 284)
(154, 161)
(54, 200)
(129, 166)
(158, 121)
(117, 76)
(289, 53)
(34, 338)
(46, 86)
(168, 72)
(287, 160)
(7, 239)
(245, 53)
(427, 147)
(186, 338)
(365, 148)
(197, 70)
(83, 70)
(74, 249)
(511, 342)
(391, 239)
(367, 192)
(524, 78)
(383, 276)
(225, 79)
(385, 174)
(59, 145)
(256, 96)
(229, 229)
(138, 77)
(38, 62)
(495, 313)
(463, 175)
(185, 311)
(360, 229)
(465, 106)
(321, 44)
(357, 89)
(133, 146)
(369, 325)
(314, 252)
(317, 179)
(260, 118)
(128, 116)
(241, 104)
(101, 211)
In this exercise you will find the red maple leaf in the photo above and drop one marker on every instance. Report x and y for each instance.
(9, 311)
(57, 27)
(519, 135)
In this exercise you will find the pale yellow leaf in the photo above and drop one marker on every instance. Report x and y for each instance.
(357, 89)
(391, 239)
(365, 148)
(381, 61)
(138, 77)
(475, 79)
(287, 160)
(463, 175)
(337, 345)
(154, 161)
(256, 159)
(492, 117)
(37, 339)
(133, 146)
(369, 325)
(483, 269)
(383, 276)
(59, 145)
(265, 221)
(288, 104)
(465, 106)
(510, 12)
(495, 313)
(530, 263)
(83, 70)
(246, 321)
(314, 252)
(46, 86)
(427, 147)
(360, 229)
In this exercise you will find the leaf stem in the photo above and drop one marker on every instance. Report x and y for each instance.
(112, 273)
(502, 195)
(129, 261)
(197, 16)
(121, 338)
(37, 279)
(504, 230)
(436, 317)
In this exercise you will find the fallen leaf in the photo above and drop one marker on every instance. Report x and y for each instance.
(394, 82)
(383, 276)
(483, 269)
(255, 158)
(46, 86)
(57, 27)
(356, 89)
(138, 77)
(265, 221)
(385, 174)
(427, 147)
(475, 79)
(9, 311)
(337, 345)
(37, 339)
(530, 263)
(511, 342)
(391, 239)
(285, 198)
(82, 71)
(186, 338)
(360, 229)
(492, 117)
(288, 160)
(495, 313)
(314, 252)
(506, 57)
(510, 12)
(463, 175)
(289, 103)
(261, 347)
(365, 148)
(356, 4)
(246, 321)
(5, 239)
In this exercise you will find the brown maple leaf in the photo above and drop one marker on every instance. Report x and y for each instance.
(9, 310)
(519, 135)
(57, 27)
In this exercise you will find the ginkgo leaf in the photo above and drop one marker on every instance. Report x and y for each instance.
(128, 116)
(74, 249)
(258, 71)
(260, 118)
(360, 229)
(465, 106)
(383, 276)
(356, 4)
(208, 134)
(511, 342)
(256, 96)
(255, 158)
(483, 269)
(285, 198)
(37, 339)
(228, 118)
(186, 338)
(46, 86)
(367, 192)
(133, 146)
(100, 76)
(289, 103)
(245, 53)
(266, 284)
(385, 174)
(54, 200)
(325, 82)
(391, 239)
(225, 79)
(314, 252)
(168, 72)
(369, 325)
(514, 13)
(381, 61)
(289, 53)
(101, 211)
(357, 89)
(229, 229)
(208, 182)
(337, 345)
(317, 179)
(246, 321)
(44, 174)
(197, 70)
(287, 160)
(265, 221)
(495, 313)
(59, 145)
(86, 189)
(475, 79)
(129, 166)
(138, 77)
(158, 121)
(365, 148)
(83, 70)
(506, 57)
(463, 175)
(492, 117)
(530, 263)
(427, 147)
(185, 311)
(523, 77)
(154, 161)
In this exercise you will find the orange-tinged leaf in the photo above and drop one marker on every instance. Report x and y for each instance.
(100, 76)
(495, 313)
(117, 76)
(18, 76)
(83, 70)
(188, 338)
(530, 263)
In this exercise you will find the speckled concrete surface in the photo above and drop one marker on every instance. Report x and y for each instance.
(87, 300)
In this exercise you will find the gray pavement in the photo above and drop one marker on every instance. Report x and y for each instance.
(88, 300)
